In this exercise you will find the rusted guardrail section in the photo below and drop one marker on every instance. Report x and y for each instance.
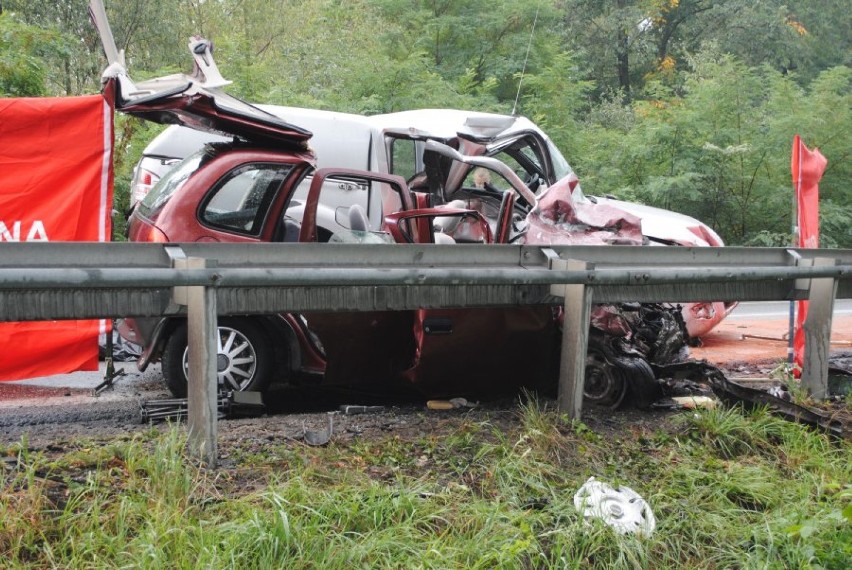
(45, 281)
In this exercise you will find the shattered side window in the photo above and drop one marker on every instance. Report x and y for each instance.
(241, 201)
(403, 158)
(561, 169)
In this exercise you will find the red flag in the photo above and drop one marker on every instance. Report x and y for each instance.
(807, 167)
(55, 185)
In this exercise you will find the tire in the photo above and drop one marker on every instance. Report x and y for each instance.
(605, 384)
(642, 385)
(243, 339)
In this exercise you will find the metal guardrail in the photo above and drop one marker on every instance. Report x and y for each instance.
(90, 280)
(46, 281)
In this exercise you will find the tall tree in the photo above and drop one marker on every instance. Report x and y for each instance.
(478, 42)
(24, 50)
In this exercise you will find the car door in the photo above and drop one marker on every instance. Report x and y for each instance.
(468, 351)
(359, 347)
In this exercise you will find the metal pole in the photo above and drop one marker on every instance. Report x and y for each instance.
(794, 242)
(791, 326)
(575, 339)
(818, 333)
(202, 377)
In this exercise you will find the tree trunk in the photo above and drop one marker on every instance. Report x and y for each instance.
(622, 56)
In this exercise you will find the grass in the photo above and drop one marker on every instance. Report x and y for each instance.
(727, 489)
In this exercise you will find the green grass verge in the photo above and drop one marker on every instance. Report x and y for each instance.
(727, 489)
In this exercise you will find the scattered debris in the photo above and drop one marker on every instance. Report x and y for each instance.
(780, 391)
(621, 508)
(732, 393)
(783, 338)
(320, 436)
(246, 404)
(451, 404)
(695, 402)
(351, 410)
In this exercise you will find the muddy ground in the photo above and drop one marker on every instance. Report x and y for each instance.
(47, 416)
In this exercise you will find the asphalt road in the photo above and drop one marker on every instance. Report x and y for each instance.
(780, 309)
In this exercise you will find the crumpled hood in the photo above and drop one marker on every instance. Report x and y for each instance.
(558, 219)
(666, 226)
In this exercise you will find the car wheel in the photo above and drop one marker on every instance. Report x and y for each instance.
(605, 384)
(243, 361)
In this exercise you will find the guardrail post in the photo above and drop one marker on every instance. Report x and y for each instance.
(575, 338)
(817, 329)
(203, 414)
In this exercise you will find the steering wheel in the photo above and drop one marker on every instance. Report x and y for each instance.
(534, 181)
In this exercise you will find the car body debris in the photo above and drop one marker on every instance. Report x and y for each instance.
(701, 373)
(321, 436)
(354, 409)
(451, 404)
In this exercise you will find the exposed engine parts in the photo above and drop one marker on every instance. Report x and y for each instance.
(624, 342)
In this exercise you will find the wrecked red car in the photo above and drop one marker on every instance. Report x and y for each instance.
(245, 191)
(261, 186)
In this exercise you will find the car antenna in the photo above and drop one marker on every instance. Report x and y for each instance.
(526, 58)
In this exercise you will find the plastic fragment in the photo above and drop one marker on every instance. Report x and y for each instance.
(695, 402)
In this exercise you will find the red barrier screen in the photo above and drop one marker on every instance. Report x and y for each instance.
(56, 184)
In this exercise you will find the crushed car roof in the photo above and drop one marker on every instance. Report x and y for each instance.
(448, 123)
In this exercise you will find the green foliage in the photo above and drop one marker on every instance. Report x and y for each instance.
(554, 97)
(720, 151)
(23, 49)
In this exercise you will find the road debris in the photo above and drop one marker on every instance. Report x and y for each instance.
(732, 394)
(319, 437)
(232, 404)
(451, 404)
(351, 410)
(695, 402)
